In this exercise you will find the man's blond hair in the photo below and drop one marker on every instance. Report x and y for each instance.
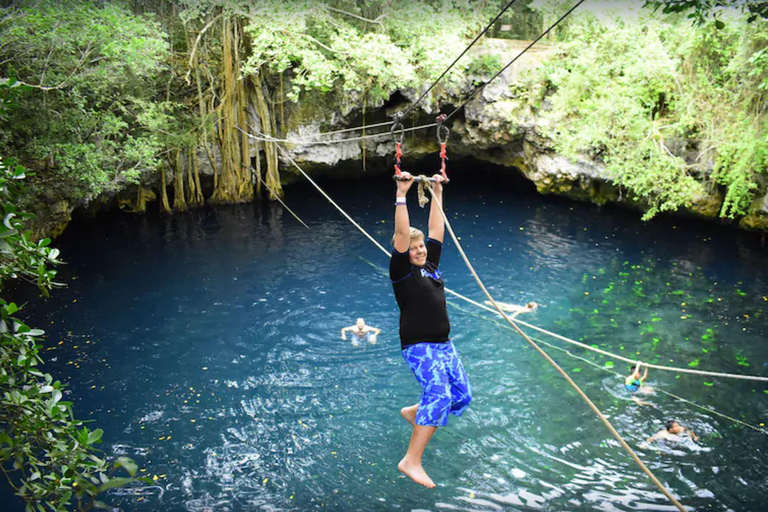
(414, 233)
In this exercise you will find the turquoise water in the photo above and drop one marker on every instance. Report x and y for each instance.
(207, 346)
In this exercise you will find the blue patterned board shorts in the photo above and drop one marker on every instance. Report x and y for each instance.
(444, 383)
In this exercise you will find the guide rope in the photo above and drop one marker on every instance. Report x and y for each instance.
(280, 200)
(268, 138)
(592, 363)
(458, 295)
(557, 367)
(413, 105)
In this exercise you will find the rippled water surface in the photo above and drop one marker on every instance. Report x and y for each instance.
(207, 346)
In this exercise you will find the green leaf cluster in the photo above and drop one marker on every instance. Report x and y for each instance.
(46, 454)
(94, 117)
(673, 110)
(325, 49)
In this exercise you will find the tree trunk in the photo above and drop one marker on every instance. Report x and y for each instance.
(179, 203)
(235, 184)
(272, 178)
(195, 197)
(164, 206)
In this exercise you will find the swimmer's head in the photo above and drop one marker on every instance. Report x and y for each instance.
(360, 323)
(672, 426)
(531, 305)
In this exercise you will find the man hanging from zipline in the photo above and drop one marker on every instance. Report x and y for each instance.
(424, 327)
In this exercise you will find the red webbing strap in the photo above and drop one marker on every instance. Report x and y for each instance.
(443, 158)
(398, 156)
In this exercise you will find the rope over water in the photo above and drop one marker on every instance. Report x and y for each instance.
(557, 367)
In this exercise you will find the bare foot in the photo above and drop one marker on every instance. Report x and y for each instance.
(409, 413)
(416, 473)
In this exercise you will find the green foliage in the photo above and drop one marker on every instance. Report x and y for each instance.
(484, 65)
(673, 111)
(92, 120)
(700, 10)
(46, 455)
(324, 48)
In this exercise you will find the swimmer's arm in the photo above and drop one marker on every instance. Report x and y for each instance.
(645, 375)
(690, 432)
(375, 330)
(344, 331)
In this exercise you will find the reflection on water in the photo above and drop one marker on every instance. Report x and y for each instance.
(207, 346)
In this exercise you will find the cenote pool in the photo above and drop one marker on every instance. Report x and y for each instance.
(207, 347)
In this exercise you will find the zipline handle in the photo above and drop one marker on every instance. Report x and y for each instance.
(416, 179)
(397, 125)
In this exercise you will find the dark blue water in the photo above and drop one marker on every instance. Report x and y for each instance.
(207, 346)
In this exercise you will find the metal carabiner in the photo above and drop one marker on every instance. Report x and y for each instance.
(397, 124)
(442, 130)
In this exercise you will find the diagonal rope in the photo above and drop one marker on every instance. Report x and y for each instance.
(592, 406)
(413, 105)
(281, 201)
(521, 322)
(557, 367)
(476, 91)
(267, 138)
(592, 363)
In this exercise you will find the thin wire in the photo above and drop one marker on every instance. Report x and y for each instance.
(281, 201)
(267, 138)
(410, 109)
(557, 367)
(476, 91)
(615, 356)
(521, 322)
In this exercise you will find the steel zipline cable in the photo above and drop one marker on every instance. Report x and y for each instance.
(477, 90)
(513, 325)
(424, 94)
(268, 138)
(592, 406)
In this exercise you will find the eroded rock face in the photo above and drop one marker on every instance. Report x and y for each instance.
(497, 127)
(51, 221)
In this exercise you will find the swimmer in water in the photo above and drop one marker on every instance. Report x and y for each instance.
(514, 308)
(634, 383)
(672, 431)
(360, 331)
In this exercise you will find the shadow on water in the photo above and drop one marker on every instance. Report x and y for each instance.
(207, 346)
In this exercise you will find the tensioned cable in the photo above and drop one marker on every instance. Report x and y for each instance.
(592, 363)
(556, 366)
(412, 106)
(610, 354)
(592, 406)
(281, 201)
(521, 322)
(476, 91)
(267, 138)
(410, 109)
